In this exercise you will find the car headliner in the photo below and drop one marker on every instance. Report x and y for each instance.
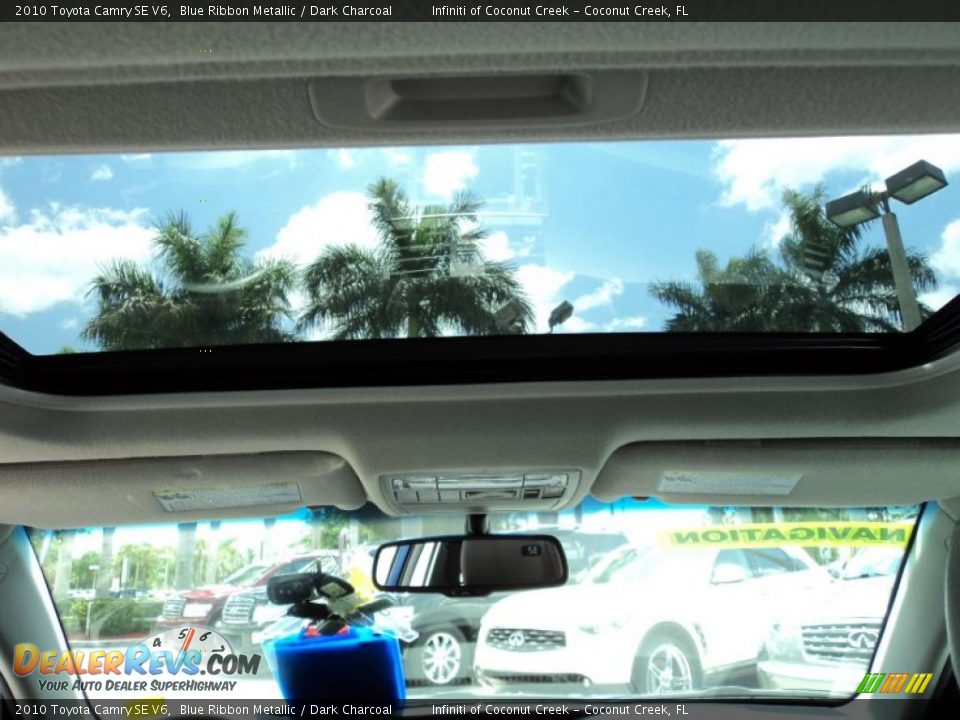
(123, 87)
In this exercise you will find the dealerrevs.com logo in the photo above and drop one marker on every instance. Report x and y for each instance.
(168, 662)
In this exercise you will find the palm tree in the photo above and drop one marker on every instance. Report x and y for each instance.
(427, 276)
(824, 282)
(735, 298)
(838, 285)
(202, 292)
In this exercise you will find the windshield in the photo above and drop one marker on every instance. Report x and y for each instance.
(872, 562)
(133, 251)
(247, 575)
(674, 600)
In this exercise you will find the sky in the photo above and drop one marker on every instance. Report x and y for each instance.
(590, 223)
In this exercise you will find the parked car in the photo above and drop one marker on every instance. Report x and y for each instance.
(247, 612)
(830, 646)
(204, 605)
(447, 628)
(664, 630)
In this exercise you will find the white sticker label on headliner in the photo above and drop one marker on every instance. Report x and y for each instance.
(180, 499)
(727, 483)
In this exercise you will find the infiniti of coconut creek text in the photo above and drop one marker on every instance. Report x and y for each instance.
(347, 11)
(171, 708)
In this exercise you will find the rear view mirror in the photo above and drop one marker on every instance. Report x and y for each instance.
(470, 564)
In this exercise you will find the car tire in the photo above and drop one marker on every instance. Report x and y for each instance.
(666, 665)
(441, 656)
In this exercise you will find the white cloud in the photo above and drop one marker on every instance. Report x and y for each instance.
(603, 295)
(138, 157)
(7, 210)
(775, 231)
(344, 158)
(52, 257)
(230, 159)
(542, 286)
(396, 156)
(576, 324)
(946, 260)
(340, 218)
(940, 297)
(69, 324)
(754, 170)
(496, 247)
(637, 322)
(447, 172)
(102, 173)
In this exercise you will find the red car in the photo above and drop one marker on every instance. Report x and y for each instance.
(203, 606)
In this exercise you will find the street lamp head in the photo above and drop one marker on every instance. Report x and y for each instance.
(560, 314)
(852, 209)
(915, 182)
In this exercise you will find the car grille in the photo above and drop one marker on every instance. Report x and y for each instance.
(851, 642)
(501, 678)
(238, 609)
(173, 607)
(525, 640)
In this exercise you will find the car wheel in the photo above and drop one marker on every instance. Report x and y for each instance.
(440, 657)
(666, 665)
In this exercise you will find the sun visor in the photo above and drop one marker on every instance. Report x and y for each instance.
(150, 490)
(812, 473)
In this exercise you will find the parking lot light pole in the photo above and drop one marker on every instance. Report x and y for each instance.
(909, 307)
(909, 185)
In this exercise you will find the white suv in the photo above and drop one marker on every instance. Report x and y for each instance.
(676, 617)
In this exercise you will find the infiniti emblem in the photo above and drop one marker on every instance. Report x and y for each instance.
(516, 639)
(862, 639)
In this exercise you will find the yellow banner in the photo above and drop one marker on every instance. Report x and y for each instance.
(803, 534)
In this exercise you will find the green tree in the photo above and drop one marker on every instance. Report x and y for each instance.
(148, 566)
(850, 288)
(738, 297)
(201, 290)
(83, 574)
(824, 280)
(427, 276)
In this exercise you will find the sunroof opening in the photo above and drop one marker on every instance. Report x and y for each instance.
(203, 249)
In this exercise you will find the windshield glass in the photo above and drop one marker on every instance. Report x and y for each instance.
(872, 562)
(247, 575)
(670, 600)
(117, 252)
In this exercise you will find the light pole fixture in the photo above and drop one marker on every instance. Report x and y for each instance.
(560, 314)
(915, 182)
(909, 185)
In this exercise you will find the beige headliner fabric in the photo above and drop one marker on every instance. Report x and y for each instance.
(71, 87)
(380, 431)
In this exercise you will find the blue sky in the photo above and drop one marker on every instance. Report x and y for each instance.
(592, 223)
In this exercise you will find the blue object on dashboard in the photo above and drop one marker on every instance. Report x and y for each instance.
(360, 665)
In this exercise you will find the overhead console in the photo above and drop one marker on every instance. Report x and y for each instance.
(535, 490)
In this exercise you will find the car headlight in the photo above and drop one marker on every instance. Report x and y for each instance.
(783, 641)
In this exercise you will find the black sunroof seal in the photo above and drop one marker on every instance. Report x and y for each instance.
(476, 360)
